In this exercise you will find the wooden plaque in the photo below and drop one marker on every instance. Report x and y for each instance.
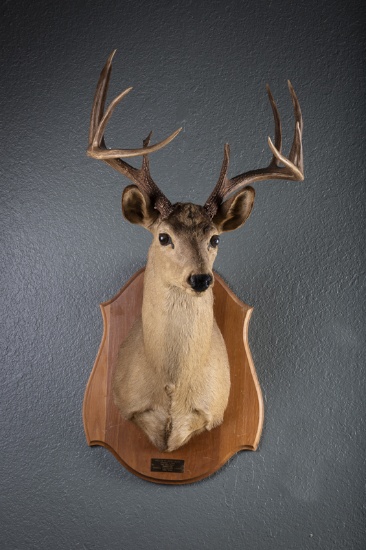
(204, 453)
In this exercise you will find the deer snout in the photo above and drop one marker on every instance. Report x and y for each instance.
(200, 283)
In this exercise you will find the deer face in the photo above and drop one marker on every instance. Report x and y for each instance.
(185, 246)
(185, 243)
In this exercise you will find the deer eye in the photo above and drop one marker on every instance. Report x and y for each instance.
(164, 239)
(214, 241)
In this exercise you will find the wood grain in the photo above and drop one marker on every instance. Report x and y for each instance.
(205, 453)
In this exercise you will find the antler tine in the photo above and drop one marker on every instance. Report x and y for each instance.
(99, 122)
(292, 169)
(217, 194)
(277, 120)
(97, 148)
(296, 155)
(100, 98)
(122, 153)
(101, 153)
(95, 119)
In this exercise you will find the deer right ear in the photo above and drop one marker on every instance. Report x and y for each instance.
(137, 208)
(234, 212)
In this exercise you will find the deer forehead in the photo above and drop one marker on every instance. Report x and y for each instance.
(189, 220)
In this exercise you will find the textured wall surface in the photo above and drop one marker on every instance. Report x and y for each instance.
(299, 261)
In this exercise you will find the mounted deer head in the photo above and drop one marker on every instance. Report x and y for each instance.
(172, 374)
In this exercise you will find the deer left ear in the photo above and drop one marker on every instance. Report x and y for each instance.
(234, 212)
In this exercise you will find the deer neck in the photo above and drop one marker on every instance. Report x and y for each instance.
(177, 326)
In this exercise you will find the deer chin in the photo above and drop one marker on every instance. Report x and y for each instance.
(184, 289)
(197, 293)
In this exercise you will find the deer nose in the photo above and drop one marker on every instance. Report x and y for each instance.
(199, 283)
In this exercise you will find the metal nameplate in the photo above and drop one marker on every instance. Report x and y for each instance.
(167, 465)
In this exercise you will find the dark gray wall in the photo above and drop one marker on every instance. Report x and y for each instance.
(298, 261)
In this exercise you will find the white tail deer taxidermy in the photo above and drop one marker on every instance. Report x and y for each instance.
(172, 373)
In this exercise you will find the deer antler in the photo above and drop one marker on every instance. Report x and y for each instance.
(293, 165)
(97, 147)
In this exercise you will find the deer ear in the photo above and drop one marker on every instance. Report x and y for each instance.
(137, 208)
(234, 212)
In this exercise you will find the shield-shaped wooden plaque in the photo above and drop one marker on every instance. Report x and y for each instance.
(204, 453)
